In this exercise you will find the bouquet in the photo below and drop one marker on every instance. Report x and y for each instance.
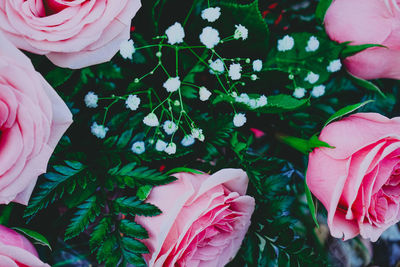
(199, 133)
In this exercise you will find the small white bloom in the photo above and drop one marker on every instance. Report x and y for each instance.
(175, 34)
(198, 134)
(217, 66)
(334, 65)
(127, 49)
(209, 37)
(257, 65)
(253, 77)
(204, 93)
(318, 91)
(241, 32)
(161, 145)
(99, 131)
(211, 14)
(239, 119)
(187, 140)
(170, 149)
(299, 92)
(170, 127)
(151, 120)
(243, 98)
(252, 103)
(235, 70)
(132, 102)
(312, 77)
(286, 43)
(138, 147)
(172, 84)
(312, 44)
(91, 100)
(261, 101)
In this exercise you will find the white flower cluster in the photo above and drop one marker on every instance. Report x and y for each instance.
(235, 71)
(239, 119)
(132, 102)
(91, 100)
(175, 34)
(211, 14)
(172, 84)
(204, 93)
(209, 37)
(286, 43)
(334, 65)
(99, 131)
(241, 32)
(197, 133)
(151, 120)
(252, 102)
(311, 77)
(312, 44)
(170, 127)
(138, 147)
(318, 91)
(299, 92)
(127, 49)
(217, 66)
(257, 65)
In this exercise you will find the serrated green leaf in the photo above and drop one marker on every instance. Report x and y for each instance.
(144, 191)
(134, 206)
(133, 258)
(100, 232)
(134, 245)
(345, 111)
(133, 229)
(38, 239)
(86, 214)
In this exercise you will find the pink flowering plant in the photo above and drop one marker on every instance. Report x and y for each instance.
(199, 133)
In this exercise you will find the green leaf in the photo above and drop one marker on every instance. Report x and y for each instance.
(37, 238)
(350, 50)
(346, 110)
(322, 7)
(303, 145)
(133, 229)
(100, 233)
(134, 206)
(133, 258)
(183, 169)
(143, 192)
(59, 76)
(366, 84)
(283, 103)
(55, 185)
(86, 214)
(106, 249)
(134, 245)
(310, 203)
(109, 71)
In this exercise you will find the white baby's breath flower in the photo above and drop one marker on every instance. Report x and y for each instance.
(235, 70)
(261, 101)
(99, 131)
(161, 145)
(318, 91)
(187, 140)
(151, 120)
(243, 98)
(170, 149)
(132, 102)
(170, 127)
(138, 147)
(311, 77)
(334, 65)
(299, 92)
(217, 67)
(286, 43)
(91, 100)
(175, 33)
(172, 84)
(127, 49)
(209, 37)
(211, 14)
(239, 119)
(198, 134)
(241, 32)
(257, 65)
(204, 93)
(312, 44)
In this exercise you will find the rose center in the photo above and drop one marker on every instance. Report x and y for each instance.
(55, 6)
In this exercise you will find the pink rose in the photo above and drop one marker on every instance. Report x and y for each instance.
(17, 251)
(368, 22)
(358, 181)
(204, 220)
(32, 120)
(72, 34)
